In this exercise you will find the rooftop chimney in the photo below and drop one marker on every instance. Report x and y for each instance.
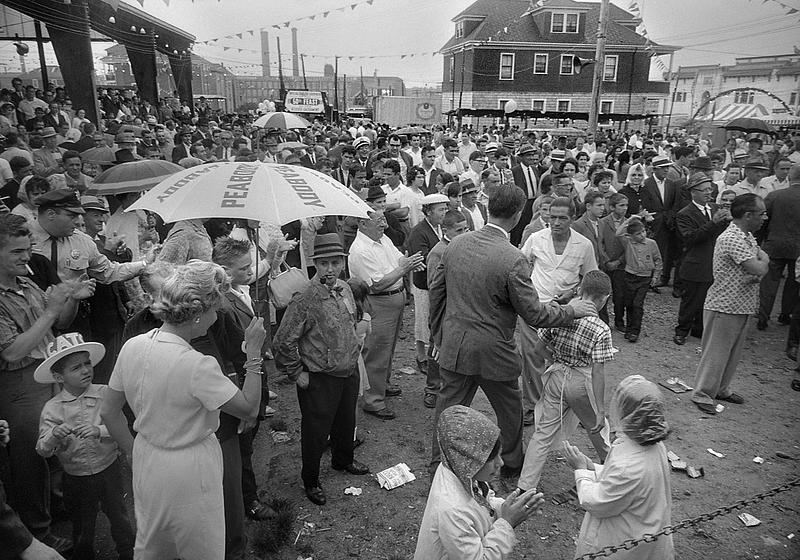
(265, 70)
(295, 65)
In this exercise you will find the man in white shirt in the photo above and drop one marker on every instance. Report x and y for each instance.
(375, 260)
(754, 173)
(560, 257)
(414, 150)
(399, 198)
(477, 163)
(449, 161)
(465, 147)
(780, 180)
(28, 105)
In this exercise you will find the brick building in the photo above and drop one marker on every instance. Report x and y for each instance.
(515, 49)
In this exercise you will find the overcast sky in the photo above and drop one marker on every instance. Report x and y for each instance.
(710, 31)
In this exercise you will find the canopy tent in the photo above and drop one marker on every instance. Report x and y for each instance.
(782, 120)
(733, 111)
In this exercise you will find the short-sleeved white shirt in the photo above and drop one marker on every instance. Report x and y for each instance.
(371, 260)
(174, 391)
(734, 290)
(554, 274)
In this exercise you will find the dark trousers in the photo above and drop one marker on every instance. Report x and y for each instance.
(28, 484)
(84, 497)
(506, 400)
(769, 288)
(328, 409)
(635, 291)
(618, 296)
(690, 312)
(249, 486)
(432, 379)
(112, 341)
(232, 498)
(793, 339)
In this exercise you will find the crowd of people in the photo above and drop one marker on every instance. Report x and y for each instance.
(127, 340)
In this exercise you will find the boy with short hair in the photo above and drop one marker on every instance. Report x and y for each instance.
(574, 386)
(614, 251)
(642, 271)
(70, 428)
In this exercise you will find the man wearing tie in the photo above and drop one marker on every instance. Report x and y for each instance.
(428, 161)
(525, 177)
(698, 224)
(660, 197)
(342, 171)
(424, 237)
(225, 151)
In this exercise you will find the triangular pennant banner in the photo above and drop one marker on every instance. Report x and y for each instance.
(239, 35)
(325, 14)
(251, 31)
(141, 3)
(353, 6)
(286, 23)
(114, 4)
(792, 11)
(276, 26)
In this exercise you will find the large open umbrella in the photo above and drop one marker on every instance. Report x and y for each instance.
(133, 176)
(412, 130)
(746, 124)
(265, 192)
(284, 121)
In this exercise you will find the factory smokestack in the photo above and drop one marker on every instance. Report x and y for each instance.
(295, 64)
(265, 70)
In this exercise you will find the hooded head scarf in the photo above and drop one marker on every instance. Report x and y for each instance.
(466, 438)
(639, 409)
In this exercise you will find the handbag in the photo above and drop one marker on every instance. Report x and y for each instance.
(286, 284)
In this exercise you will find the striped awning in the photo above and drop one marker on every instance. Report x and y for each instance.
(784, 119)
(734, 111)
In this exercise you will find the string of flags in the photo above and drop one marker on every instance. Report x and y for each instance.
(285, 24)
(226, 48)
(636, 10)
(790, 10)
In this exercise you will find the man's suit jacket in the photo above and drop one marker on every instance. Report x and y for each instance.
(584, 226)
(470, 219)
(421, 239)
(179, 152)
(699, 234)
(474, 304)
(430, 184)
(611, 247)
(340, 175)
(664, 210)
(527, 212)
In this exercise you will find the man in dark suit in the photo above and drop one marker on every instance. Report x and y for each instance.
(698, 224)
(526, 177)
(346, 160)
(431, 171)
(183, 143)
(424, 237)
(394, 152)
(474, 305)
(661, 197)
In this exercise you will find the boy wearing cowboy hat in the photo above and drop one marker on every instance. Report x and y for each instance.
(70, 428)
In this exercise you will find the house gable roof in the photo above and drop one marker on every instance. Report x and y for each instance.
(511, 21)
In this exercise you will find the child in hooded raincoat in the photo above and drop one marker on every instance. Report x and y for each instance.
(463, 518)
(628, 496)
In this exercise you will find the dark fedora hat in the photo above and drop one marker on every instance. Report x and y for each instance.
(374, 193)
(702, 162)
(756, 164)
(697, 179)
(328, 245)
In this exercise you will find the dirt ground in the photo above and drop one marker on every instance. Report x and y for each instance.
(381, 524)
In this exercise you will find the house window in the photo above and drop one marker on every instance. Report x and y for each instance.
(566, 64)
(708, 80)
(610, 68)
(452, 68)
(746, 97)
(506, 66)
(606, 106)
(538, 105)
(564, 22)
(564, 104)
(793, 98)
(540, 63)
(459, 29)
(679, 96)
(501, 103)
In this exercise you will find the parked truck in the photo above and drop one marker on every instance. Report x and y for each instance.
(402, 111)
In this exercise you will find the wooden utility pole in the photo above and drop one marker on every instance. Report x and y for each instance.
(336, 84)
(282, 86)
(37, 27)
(303, 65)
(599, 68)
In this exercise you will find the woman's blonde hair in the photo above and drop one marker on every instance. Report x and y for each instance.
(190, 291)
(636, 167)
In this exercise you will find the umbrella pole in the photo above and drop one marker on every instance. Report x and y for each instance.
(258, 258)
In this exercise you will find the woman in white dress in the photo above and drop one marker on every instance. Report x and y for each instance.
(176, 394)
(628, 496)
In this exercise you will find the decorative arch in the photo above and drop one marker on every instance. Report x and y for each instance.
(734, 90)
